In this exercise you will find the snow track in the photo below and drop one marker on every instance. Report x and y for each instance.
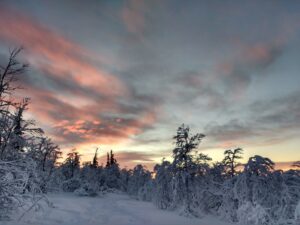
(112, 209)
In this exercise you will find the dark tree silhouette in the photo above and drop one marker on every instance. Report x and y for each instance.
(95, 159)
(230, 160)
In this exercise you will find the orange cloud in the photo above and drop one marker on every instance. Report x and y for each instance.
(74, 125)
(104, 132)
(283, 165)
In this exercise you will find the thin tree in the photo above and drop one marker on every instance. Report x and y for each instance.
(230, 160)
(95, 159)
(107, 160)
(113, 160)
(183, 164)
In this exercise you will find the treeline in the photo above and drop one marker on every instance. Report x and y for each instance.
(92, 178)
(193, 185)
(251, 193)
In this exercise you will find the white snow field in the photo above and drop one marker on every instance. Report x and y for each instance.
(111, 209)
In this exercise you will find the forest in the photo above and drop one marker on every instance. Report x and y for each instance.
(191, 184)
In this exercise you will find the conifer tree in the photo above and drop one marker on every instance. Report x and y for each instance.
(107, 160)
(113, 161)
(95, 159)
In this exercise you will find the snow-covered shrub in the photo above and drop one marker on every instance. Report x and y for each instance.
(124, 179)
(271, 195)
(10, 188)
(45, 153)
(145, 192)
(91, 175)
(226, 201)
(162, 191)
(138, 179)
(86, 190)
(81, 192)
(112, 176)
(250, 214)
(297, 214)
(291, 192)
(54, 183)
(71, 185)
(18, 185)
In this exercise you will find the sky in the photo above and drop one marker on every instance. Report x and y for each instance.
(123, 75)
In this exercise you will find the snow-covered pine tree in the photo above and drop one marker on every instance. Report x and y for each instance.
(137, 181)
(184, 167)
(112, 172)
(162, 192)
(252, 192)
(124, 179)
(95, 159)
(71, 171)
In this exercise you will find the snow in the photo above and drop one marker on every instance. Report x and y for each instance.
(111, 209)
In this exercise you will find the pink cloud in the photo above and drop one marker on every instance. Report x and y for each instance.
(52, 52)
(78, 116)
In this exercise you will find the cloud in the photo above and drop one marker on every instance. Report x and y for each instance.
(227, 81)
(103, 122)
(194, 86)
(133, 14)
(56, 54)
(232, 130)
(284, 110)
(250, 63)
(269, 121)
(106, 131)
(80, 102)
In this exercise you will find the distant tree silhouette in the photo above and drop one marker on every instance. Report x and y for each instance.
(95, 159)
(107, 160)
(113, 161)
(230, 160)
(110, 159)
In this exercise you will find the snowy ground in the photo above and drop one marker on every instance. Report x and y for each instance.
(112, 209)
